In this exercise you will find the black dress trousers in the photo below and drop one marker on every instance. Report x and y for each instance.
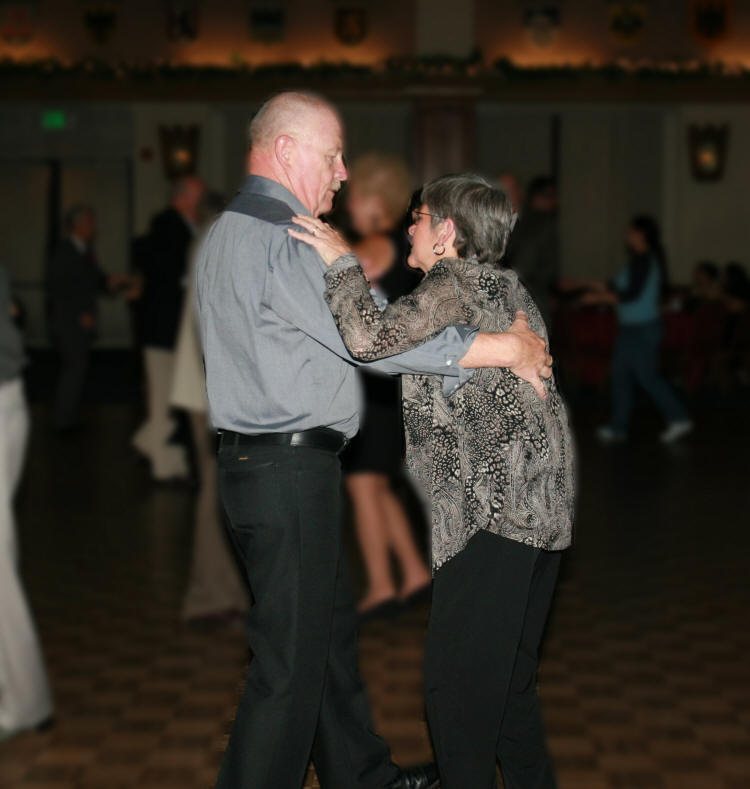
(73, 344)
(489, 608)
(304, 697)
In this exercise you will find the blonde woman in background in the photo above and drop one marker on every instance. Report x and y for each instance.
(377, 197)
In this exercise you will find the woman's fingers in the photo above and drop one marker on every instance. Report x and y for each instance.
(308, 222)
(322, 237)
(315, 226)
(538, 385)
(308, 238)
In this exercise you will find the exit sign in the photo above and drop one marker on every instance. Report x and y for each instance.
(54, 120)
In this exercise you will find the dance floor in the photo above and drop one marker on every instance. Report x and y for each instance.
(645, 677)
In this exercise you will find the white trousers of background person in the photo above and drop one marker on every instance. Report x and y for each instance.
(168, 461)
(25, 698)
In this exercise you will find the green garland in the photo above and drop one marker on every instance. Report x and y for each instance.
(502, 70)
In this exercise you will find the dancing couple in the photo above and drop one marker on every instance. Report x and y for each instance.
(286, 314)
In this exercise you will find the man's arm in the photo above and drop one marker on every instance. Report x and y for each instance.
(519, 349)
(295, 293)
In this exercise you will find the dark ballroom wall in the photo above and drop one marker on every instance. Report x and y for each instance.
(617, 143)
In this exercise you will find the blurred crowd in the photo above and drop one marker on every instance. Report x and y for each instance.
(637, 330)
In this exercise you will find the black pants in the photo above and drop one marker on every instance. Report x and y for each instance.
(303, 695)
(73, 346)
(489, 609)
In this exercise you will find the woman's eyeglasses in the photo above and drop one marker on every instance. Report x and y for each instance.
(416, 214)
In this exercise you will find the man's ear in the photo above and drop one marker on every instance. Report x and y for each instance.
(284, 150)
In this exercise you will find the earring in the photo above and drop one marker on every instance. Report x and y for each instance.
(438, 249)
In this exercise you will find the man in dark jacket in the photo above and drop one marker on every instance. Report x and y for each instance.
(74, 281)
(533, 249)
(164, 269)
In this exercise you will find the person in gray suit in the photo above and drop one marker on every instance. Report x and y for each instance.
(74, 280)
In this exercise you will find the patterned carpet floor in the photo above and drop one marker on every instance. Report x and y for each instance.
(645, 676)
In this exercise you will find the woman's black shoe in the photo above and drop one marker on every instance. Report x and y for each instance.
(420, 597)
(388, 609)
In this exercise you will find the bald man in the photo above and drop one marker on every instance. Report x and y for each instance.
(282, 392)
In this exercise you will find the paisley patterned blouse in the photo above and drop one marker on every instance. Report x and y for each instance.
(492, 455)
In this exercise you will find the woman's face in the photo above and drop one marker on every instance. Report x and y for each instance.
(367, 213)
(423, 238)
(635, 240)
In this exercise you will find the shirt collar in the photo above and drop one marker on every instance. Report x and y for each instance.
(258, 185)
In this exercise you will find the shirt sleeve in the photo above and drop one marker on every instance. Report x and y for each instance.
(406, 323)
(438, 356)
(294, 291)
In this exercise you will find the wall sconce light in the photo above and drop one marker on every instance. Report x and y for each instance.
(350, 25)
(100, 20)
(267, 22)
(18, 21)
(708, 150)
(179, 150)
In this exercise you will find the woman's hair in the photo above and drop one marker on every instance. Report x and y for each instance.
(649, 228)
(386, 176)
(482, 214)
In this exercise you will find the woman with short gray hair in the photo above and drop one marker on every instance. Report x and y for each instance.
(496, 459)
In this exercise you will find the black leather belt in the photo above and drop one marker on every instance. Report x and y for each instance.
(317, 438)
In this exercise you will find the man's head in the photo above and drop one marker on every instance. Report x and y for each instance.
(541, 196)
(80, 221)
(296, 139)
(187, 196)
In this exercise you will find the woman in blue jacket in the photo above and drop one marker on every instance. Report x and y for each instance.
(636, 293)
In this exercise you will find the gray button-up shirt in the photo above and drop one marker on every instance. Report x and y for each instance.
(275, 361)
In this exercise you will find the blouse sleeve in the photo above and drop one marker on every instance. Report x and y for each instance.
(408, 322)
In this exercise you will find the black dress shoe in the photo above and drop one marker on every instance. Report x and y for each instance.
(423, 777)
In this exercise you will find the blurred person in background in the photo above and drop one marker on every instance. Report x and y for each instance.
(216, 595)
(636, 293)
(708, 320)
(377, 196)
(25, 700)
(164, 265)
(495, 457)
(735, 295)
(705, 287)
(510, 185)
(735, 288)
(533, 249)
(73, 281)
